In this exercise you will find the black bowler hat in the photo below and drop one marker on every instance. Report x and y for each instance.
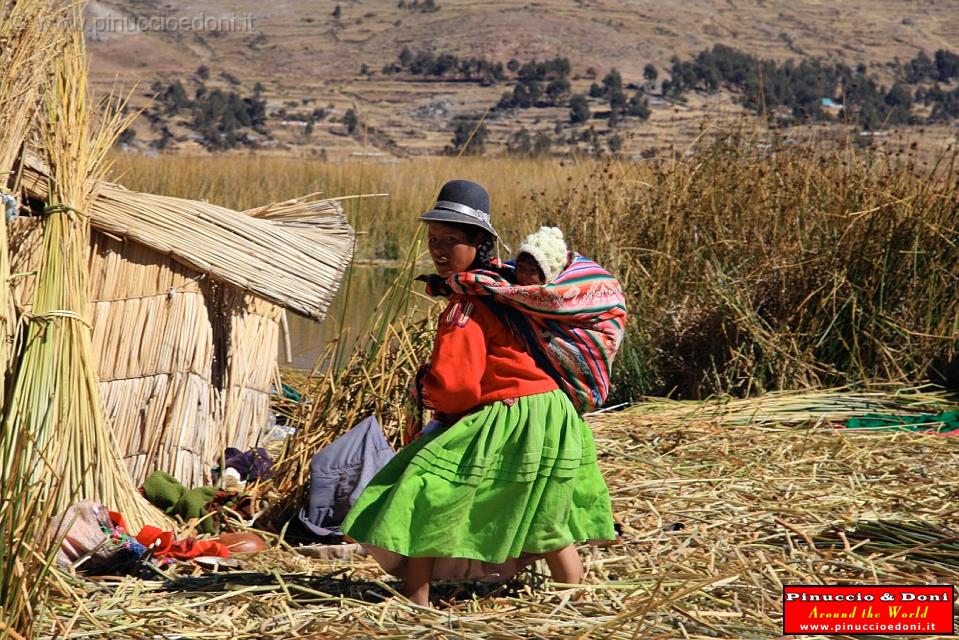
(461, 202)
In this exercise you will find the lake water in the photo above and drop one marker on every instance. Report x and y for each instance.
(346, 319)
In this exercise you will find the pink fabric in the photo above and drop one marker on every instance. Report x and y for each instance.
(83, 528)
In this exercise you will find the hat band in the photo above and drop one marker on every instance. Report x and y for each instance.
(464, 209)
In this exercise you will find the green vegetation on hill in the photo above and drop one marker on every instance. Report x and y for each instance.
(446, 66)
(613, 91)
(469, 137)
(598, 120)
(805, 90)
(538, 84)
(426, 6)
(220, 119)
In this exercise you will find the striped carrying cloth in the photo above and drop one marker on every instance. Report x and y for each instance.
(572, 326)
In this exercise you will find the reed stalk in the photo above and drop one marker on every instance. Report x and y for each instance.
(346, 387)
(27, 46)
(25, 53)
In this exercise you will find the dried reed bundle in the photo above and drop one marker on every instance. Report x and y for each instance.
(56, 397)
(784, 407)
(912, 539)
(7, 310)
(27, 44)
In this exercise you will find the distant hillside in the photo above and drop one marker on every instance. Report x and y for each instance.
(292, 76)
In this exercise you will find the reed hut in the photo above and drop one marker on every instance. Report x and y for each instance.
(188, 303)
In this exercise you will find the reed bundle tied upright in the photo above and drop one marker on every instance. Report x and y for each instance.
(26, 49)
(24, 56)
(56, 397)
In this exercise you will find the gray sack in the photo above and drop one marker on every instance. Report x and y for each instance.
(340, 472)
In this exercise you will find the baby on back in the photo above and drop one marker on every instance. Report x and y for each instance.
(541, 257)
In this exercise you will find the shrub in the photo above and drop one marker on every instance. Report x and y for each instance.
(578, 109)
(649, 73)
(469, 137)
(638, 106)
(351, 121)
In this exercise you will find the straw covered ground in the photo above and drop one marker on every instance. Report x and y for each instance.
(723, 502)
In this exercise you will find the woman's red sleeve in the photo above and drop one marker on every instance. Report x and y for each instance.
(452, 384)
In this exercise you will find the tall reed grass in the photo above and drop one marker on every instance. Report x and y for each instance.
(386, 222)
(748, 265)
(751, 268)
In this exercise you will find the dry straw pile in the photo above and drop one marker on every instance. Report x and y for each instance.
(723, 502)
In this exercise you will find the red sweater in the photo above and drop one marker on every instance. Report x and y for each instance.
(476, 360)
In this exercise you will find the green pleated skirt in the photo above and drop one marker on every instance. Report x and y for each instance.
(484, 496)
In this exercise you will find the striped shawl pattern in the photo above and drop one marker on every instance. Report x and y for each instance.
(572, 326)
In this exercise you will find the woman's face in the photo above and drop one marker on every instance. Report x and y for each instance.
(451, 249)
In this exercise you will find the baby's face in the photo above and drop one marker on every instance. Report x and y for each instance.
(528, 272)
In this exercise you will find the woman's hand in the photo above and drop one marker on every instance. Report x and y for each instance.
(414, 420)
(435, 285)
(412, 428)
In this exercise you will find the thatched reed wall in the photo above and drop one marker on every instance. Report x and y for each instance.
(185, 364)
(153, 334)
(254, 331)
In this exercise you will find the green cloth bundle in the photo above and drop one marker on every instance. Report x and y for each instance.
(166, 493)
(943, 423)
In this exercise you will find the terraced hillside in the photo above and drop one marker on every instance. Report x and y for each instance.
(313, 59)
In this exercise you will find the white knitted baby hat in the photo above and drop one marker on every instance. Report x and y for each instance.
(548, 249)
